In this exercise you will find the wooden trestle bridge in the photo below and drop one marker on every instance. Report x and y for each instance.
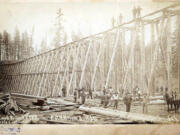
(102, 60)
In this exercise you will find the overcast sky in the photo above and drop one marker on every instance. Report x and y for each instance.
(88, 17)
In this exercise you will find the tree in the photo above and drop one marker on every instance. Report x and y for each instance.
(17, 44)
(1, 43)
(75, 36)
(6, 41)
(59, 30)
(43, 46)
(31, 49)
(22, 47)
(65, 38)
(26, 46)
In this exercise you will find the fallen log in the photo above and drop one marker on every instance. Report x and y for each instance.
(157, 102)
(125, 115)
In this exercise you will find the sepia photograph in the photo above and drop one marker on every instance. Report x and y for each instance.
(93, 62)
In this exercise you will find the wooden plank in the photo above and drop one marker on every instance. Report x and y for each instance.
(124, 115)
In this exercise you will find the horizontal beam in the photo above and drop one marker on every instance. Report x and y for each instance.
(44, 73)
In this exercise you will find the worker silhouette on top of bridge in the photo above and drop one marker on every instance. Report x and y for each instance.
(120, 19)
(134, 12)
(137, 12)
(113, 21)
(165, 12)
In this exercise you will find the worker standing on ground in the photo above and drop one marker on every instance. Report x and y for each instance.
(139, 93)
(75, 95)
(116, 98)
(111, 96)
(64, 91)
(104, 91)
(90, 93)
(106, 99)
(127, 101)
(83, 96)
(79, 93)
(145, 103)
(103, 96)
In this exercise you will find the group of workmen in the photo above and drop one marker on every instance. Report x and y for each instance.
(111, 98)
(108, 97)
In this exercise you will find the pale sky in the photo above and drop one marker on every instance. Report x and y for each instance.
(88, 17)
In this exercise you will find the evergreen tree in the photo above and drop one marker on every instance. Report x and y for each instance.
(26, 45)
(6, 41)
(22, 46)
(59, 30)
(17, 44)
(75, 36)
(65, 38)
(1, 43)
(31, 49)
(43, 46)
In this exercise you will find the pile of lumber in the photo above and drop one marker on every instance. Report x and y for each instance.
(51, 105)
(8, 105)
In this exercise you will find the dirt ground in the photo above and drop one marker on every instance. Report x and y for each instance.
(69, 116)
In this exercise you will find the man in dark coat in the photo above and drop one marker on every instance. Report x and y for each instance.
(83, 96)
(75, 95)
(64, 91)
(127, 101)
(90, 93)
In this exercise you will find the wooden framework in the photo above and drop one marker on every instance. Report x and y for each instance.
(97, 61)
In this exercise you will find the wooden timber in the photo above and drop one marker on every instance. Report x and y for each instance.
(125, 115)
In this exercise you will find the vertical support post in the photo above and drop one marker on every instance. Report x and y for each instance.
(178, 47)
(112, 58)
(142, 57)
(65, 71)
(97, 62)
(59, 69)
(73, 68)
(84, 66)
(43, 74)
(168, 50)
(54, 58)
(150, 80)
